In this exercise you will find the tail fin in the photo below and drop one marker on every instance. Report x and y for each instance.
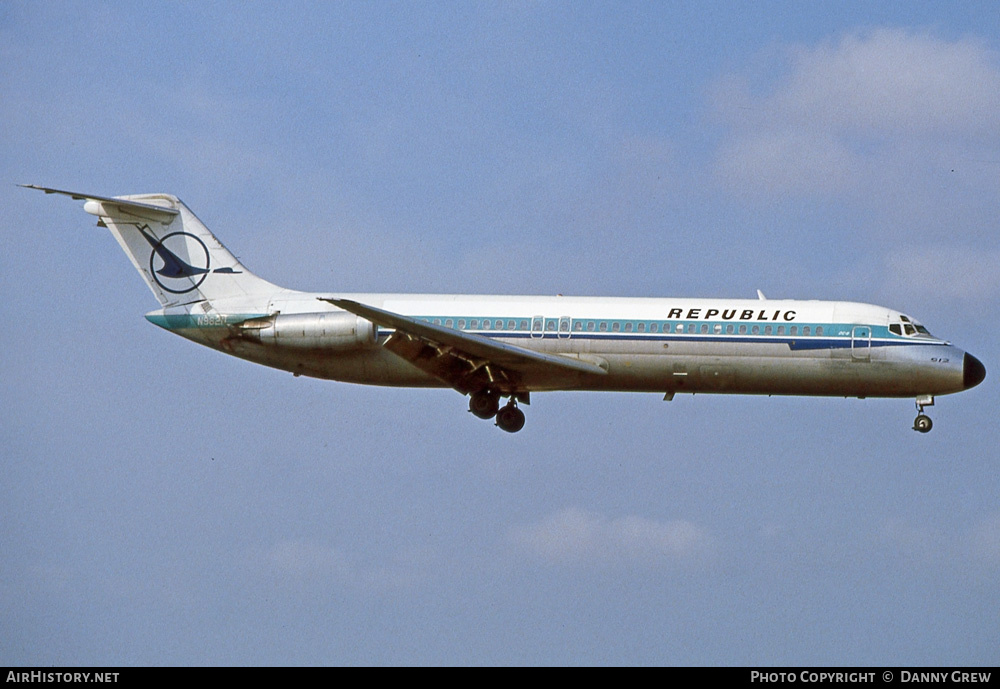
(180, 260)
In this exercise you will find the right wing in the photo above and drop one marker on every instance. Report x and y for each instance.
(469, 362)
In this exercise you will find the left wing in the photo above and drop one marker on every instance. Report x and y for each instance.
(469, 362)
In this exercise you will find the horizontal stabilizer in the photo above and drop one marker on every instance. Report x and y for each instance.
(142, 210)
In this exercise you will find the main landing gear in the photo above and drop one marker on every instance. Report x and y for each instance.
(486, 405)
(923, 423)
(510, 418)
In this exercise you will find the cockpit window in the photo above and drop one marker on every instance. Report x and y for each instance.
(909, 327)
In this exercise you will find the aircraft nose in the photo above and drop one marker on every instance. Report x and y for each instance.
(973, 371)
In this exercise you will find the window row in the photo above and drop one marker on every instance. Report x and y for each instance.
(694, 328)
(562, 326)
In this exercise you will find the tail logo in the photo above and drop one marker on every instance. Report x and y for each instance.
(179, 262)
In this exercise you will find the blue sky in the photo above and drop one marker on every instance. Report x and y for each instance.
(164, 504)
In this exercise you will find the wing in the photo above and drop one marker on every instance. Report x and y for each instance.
(470, 362)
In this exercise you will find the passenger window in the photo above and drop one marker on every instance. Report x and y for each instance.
(473, 324)
(680, 327)
(578, 326)
(449, 323)
(628, 327)
(461, 324)
(730, 329)
(590, 326)
(704, 328)
(524, 325)
(767, 330)
(691, 327)
(718, 328)
(437, 321)
(743, 330)
(781, 330)
(819, 329)
(794, 330)
(604, 326)
(652, 327)
(805, 330)
(486, 325)
(616, 326)
(756, 330)
(550, 325)
(641, 328)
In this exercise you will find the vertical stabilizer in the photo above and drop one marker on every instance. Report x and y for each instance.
(179, 259)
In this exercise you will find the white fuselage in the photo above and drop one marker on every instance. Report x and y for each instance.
(665, 345)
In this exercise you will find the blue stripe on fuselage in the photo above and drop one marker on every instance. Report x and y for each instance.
(796, 343)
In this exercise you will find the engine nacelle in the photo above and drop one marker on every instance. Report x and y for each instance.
(337, 331)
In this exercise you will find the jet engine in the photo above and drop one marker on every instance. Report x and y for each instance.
(338, 331)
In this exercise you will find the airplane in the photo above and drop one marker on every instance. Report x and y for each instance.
(507, 347)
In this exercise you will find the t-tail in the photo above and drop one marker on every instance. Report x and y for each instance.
(179, 259)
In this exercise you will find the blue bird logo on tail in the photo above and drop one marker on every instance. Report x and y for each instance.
(171, 272)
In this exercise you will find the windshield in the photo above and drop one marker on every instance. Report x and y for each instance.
(909, 327)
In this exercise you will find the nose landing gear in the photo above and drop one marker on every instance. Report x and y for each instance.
(923, 423)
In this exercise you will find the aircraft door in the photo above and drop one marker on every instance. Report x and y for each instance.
(861, 343)
(538, 326)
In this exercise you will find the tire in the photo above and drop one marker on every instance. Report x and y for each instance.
(484, 404)
(510, 419)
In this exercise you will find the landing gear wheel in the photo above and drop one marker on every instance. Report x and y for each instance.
(484, 404)
(922, 423)
(510, 419)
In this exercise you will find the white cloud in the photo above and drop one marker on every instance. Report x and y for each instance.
(891, 80)
(574, 535)
(773, 163)
(845, 112)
